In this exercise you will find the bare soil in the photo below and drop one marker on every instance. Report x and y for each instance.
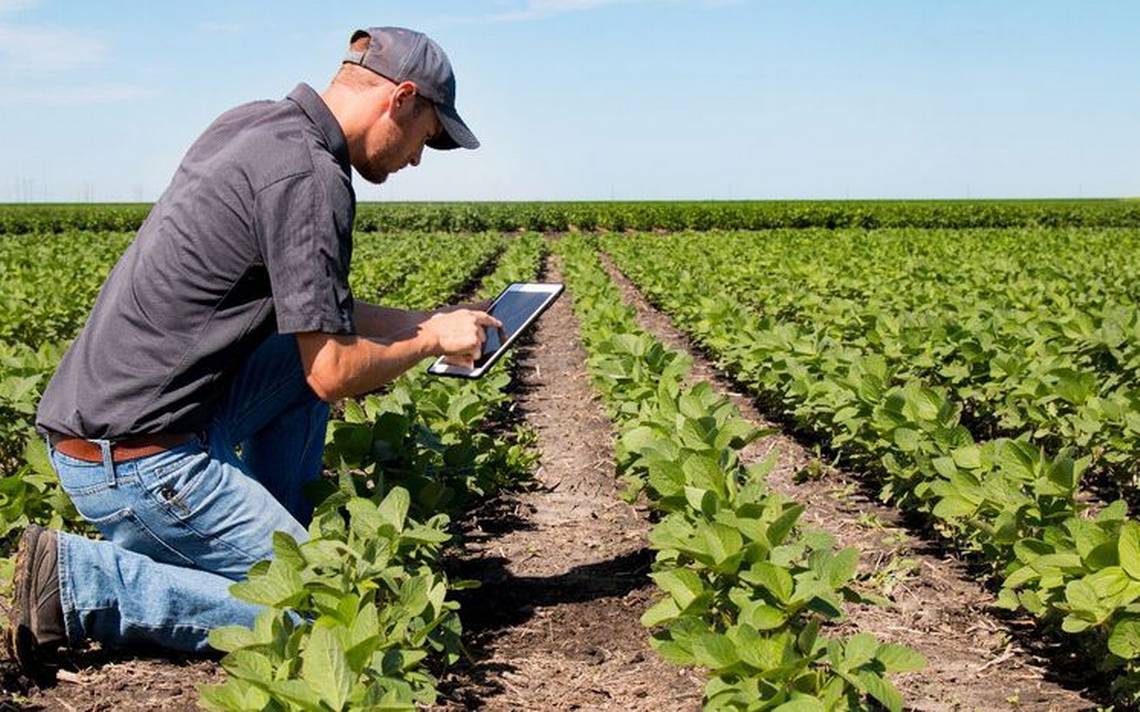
(564, 566)
(980, 659)
(101, 682)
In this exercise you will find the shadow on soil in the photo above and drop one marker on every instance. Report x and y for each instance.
(506, 601)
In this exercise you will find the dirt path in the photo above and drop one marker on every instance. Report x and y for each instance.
(977, 661)
(555, 624)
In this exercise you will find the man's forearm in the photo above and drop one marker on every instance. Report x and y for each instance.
(388, 324)
(339, 366)
(347, 365)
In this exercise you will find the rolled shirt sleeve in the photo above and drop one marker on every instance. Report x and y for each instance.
(307, 255)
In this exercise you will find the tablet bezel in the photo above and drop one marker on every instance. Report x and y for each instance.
(552, 290)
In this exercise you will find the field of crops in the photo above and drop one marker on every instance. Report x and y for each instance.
(976, 365)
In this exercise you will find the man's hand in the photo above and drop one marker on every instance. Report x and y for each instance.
(459, 334)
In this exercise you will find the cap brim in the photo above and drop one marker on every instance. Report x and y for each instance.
(455, 132)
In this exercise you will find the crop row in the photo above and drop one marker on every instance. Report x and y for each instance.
(746, 589)
(617, 216)
(1032, 331)
(354, 615)
(1015, 504)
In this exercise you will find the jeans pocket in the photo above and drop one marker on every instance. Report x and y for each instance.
(174, 484)
(95, 500)
(79, 477)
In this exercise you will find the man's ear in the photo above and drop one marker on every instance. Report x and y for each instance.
(404, 99)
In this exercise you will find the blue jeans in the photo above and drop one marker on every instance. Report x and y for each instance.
(181, 526)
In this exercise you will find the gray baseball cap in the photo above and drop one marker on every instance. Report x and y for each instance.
(403, 55)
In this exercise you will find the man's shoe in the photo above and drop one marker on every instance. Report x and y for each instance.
(35, 620)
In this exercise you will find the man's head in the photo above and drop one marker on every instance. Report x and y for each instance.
(394, 94)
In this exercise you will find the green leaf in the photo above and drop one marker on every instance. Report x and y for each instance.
(968, 458)
(280, 586)
(701, 500)
(365, 518)
(762, 617)
(1081, 596)
(1129, 548)
(1072, 624)
(664, 610)
(231, 637)
(859, 650)
(906, 439)
(36, 455)
(775, 579)
(249, 664)
(422, 534)
(638, 438)
(714, 651)
(325, 667)
(881, 690)
(842, 566)
(1124, 640)
(899, 658)
(702, 471)
(665, 476)
(299, 692)
(945, 466)
(684, 585)
(233, 695)
(394, 508)
(780, 528)
(953, 507)
(801, 703)
(286, 550)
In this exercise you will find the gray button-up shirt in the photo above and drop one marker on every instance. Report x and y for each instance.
(254, 235)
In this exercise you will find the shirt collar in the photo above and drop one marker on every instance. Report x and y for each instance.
(318, 112)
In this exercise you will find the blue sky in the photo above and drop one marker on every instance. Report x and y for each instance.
(599, 99)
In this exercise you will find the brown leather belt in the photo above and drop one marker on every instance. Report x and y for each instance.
(122, 450)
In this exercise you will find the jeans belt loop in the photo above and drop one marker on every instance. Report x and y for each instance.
(108, 463)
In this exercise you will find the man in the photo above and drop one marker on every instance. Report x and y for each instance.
(191, 410)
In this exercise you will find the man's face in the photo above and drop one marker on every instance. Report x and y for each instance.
(397, 138)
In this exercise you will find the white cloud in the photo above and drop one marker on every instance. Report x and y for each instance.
(29, 54)
(45, 49)
(71, 96)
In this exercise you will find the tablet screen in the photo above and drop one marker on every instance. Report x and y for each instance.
(513, 309)
(516, 307)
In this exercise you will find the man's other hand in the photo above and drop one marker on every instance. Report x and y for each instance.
(459, 334)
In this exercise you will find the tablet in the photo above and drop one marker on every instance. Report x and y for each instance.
(517, 308)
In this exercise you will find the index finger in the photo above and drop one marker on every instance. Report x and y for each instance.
(485, 319)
